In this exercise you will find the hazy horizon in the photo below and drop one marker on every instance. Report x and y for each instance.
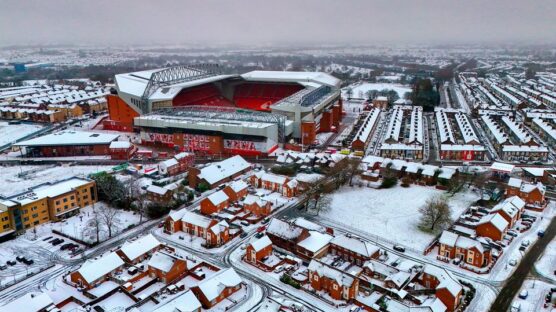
(248, 22)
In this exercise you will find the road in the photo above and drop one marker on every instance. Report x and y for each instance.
(513, 284)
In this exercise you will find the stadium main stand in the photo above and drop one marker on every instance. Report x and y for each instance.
(259, 96)
(207, 95)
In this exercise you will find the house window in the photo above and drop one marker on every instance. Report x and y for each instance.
(335, 287)
(315, 277)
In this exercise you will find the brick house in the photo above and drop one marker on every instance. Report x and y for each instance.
(236, 190)
(285, 235)
(214, 203)
(94, 272)
(159, 194)
(138, 250)
(493, 226)
(339, 285)
(258, 249)
(166, 266)
(122, 150)
(472, 252)
(511, 209)
(257, 205)
(218, 234)
(173, 222)
(353, 249)
(218, 172)
(218, 287)
(276, 183)
(315, 246)
(177, 164)
(447, 289)
(532, 194)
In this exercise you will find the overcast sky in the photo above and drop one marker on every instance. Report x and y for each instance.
(276, 21)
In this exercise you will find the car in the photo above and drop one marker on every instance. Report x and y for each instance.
(3, 267)
(261, 229)
(512, 262)
(516, 307)
(47, 238)
(522, 248)
(28, 261)
(523, 294)
(243, 235)
(245, 223)
(279, 269)
(266, 220)
(354, 309)
(11, 262)
(512, 233)
(20, 258)
(259, 235)
(525, 243)
(540, 233)
(399, 248)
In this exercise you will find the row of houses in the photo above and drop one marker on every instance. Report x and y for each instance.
(404, 137)
(461, 145)
(163, 264)
(341, 265)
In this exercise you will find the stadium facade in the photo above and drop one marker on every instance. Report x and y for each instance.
(200, 109)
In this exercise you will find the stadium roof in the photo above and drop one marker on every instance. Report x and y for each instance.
(71, 138)
(289, 76)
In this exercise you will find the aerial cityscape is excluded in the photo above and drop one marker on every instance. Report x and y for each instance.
(180, 156)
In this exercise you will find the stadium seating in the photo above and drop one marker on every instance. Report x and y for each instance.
(259, 96)
(207, 95)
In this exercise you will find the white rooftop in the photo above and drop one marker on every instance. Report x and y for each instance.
(139, 247)
(71, 138)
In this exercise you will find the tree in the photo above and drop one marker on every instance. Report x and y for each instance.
(435, 215)
(93, 227)
(110, 189)
(109, 217)
(139, 198)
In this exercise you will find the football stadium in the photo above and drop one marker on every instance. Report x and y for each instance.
(201, 109)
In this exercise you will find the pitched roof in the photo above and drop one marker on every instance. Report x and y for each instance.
(315, 242)
(186, 302)
(196, 219)
(261, 243)
(283, 229)
(448, 238)
(218, 197)
(92, 270)
(162, 261)
(497, 220)
(214, 285)
(324, 270)
(446, 280)
(221, 170)
(139, 247)
(355, 244)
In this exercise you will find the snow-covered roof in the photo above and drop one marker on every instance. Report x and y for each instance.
(468, 243)
(261, 243)
(311, 226)
(120, 144)
(274, 178)
(538, 172)
(71, 137)
(289, 76)
(92, 270)
(448, 238)
(29, 302)
(444, 127)
(364, 132)
(445, 279)
(169, 163)
(399, 278)
(213, 286)
(496, 220)
(139, 247)
(219, 171)
(283, 229)
(49, 189)
(356, 245)
(162, 261)
(324, 270)
(315, 242)
(254, 199)
(238, 185)
(157, 189)
(196, 219)
(218, 197)
(186, 302)
(498, 166)
(177, 214)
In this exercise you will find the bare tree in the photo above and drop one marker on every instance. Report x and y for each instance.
(109, 217)
(323, 205)
(139, 198)
(435, 215)
(93, 227)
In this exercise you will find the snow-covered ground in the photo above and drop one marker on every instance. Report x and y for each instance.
(546, 265)
(359, 90)
(535, 301)
(11, 133)
(390, 214)
(17, 179)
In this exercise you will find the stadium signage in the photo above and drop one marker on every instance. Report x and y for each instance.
(240, 145)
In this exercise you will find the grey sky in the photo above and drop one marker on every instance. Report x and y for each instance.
(276, 21)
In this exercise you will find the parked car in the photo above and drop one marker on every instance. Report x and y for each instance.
(243, 235)
(279, 269)
(523, 294)
(11, 262)
(516, 307)
(540, 233)
(513, 262)
(522, 248)
(259, 235)
(261, 229)
(245, 223)
(525, 243)
(3, 267)
(399, 248)
(28, 261)
(20, 258)
(512, 233)
(266, 220)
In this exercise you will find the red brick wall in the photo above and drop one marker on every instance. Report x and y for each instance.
(488, 230)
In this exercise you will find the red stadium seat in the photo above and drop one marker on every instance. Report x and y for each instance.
(259, 96)
(207, 95)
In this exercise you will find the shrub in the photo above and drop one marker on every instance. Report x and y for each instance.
(389, 182)
(286, 279)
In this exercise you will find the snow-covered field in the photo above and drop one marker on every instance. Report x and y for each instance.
(391, 214)
(19, 178)
(10, 133)
(359, 90)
